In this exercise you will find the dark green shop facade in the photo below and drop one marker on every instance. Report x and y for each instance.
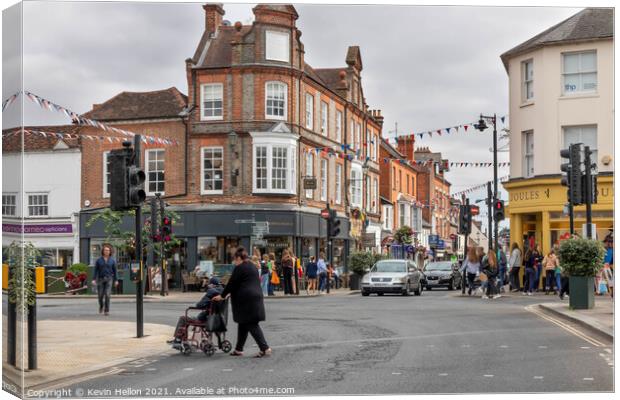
(212, 235)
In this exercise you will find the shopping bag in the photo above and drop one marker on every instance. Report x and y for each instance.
(215, 323)
(275, 279)
(483, 277)
(602, 287)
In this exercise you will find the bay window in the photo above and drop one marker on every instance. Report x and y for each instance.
(274, 162)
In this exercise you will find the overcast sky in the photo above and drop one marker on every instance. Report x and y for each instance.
(425, 67)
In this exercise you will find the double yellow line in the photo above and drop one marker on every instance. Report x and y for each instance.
(534, 309)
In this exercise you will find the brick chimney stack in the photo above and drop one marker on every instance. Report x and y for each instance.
(213, 16)
(376, 114)
(406, 146)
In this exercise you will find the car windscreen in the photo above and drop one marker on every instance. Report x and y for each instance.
(389, 266)
(439, 266)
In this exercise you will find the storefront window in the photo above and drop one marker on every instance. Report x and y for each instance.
(220, 250)
(120, 255)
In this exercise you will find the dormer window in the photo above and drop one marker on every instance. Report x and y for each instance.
(277, 46)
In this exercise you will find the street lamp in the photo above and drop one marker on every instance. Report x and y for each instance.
(482, 126)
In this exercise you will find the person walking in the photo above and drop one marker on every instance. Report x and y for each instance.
(482, 257)
(322, 270)
(530, 272)
(503, 266)
(550, 263)
(564, 287)
(287, 272)
(311, 275)
(538, 255)
(248, 306)
(104, 277)
(272, 270)
(491, 270)
(264, 274)
(514, 265)
(471, 266)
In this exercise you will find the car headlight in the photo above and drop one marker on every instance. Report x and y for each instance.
(365, 279)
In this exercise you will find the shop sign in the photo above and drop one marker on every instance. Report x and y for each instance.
(551, 194)
(37, 229)
(433, 240)
(369, 240)
(310, 183)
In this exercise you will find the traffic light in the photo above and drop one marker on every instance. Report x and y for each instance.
(465, 216)
(166, 228)
(333, 224)
(572, 168)
(155, 233)
(119, 164)
(136, 193)
(498, 210)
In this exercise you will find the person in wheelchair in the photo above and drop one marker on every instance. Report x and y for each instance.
(214, 288)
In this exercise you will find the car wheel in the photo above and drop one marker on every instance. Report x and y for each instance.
(365, 294)
(451, 285)
(407, 291)
(380, 294)
(418, 291)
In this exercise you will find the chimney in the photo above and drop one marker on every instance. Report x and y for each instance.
(378, 117)
(213, 17)
(406, 146)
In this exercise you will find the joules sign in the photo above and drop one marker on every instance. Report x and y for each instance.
(37, 229)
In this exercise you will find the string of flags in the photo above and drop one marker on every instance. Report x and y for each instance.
(339, 151)
(62, 135)
(477, 187)
(462, 128)
(49, 105)
(446, 163)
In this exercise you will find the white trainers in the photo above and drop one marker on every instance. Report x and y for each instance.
(497, 296)
(485, 296)
(524, 293)
(529, 293)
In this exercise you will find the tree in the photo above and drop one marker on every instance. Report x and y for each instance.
(22, 259)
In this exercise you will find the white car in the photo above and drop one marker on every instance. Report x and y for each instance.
(392, 276)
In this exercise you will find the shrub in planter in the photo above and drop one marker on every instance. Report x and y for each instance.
(360, 262)
(581, 259)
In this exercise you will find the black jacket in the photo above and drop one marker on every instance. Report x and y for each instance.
(246, 294)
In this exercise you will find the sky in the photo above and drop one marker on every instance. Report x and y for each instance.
(425, 67)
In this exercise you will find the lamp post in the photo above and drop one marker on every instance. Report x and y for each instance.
(481, 126)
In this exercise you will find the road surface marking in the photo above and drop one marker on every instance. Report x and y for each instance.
(588, 379)
(227, 370)
(563, 325)
(443, 374)
(188, 369)
(538, 377)
(503, 346)
(396, 373)
(542, 347)
(584, 347)
(268, 370)
(466, 345)
(151, 369)
(489, 376)
(311, 371)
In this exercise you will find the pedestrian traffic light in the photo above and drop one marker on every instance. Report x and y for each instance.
(333, 224)
(498, 210)
(572, 168)
(465, 217)
(119, 160)
(136, 192)
(166, 228)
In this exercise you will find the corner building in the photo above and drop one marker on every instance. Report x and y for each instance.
(561, 92)
(263, 127)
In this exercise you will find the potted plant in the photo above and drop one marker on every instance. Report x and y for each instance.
(359, 264)
(75, 278)
(581, 259)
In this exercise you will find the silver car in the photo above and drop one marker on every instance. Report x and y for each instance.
(392, 276)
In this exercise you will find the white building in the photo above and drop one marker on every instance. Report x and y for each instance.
(41, 193)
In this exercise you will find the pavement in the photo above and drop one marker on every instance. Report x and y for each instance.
(332, 338)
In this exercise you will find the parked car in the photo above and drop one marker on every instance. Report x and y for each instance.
(392, 276)
(442, 274)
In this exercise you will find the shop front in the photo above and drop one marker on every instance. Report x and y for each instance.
(537, 211)
(209, 237)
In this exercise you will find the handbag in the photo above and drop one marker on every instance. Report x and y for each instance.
(275, 279)
(215, 323)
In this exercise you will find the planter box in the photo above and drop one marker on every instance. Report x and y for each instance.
(354, 281)
(581, 295)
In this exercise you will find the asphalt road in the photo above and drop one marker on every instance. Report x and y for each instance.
(436, 343)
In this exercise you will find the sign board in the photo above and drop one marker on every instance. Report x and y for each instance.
(441, 244)
(206, 267)
(310, 183)
(369, 240)
(433, 240)
(475, 210)
(325, 213)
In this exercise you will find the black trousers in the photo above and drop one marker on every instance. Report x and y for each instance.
(526, 281)
(256, 332)
(514, 278)
(470, 282)
(565, 288)
(288, 280)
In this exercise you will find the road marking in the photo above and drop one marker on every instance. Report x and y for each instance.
(563, 325)
(227, 370)
(542, 347)
(503, 346)
(538, 377)
(588, 379)
(151, 369)
(430, 345)
(466, 345)
(443, 374)
(489, 376)
(396, 373)
(188, 369)
(584, 347)
(268, 370)
(311, 371)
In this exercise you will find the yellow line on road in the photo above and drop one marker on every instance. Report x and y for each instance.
(589, 339)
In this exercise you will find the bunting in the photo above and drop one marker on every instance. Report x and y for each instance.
(445, 163)
(9, 100)
(449, 130)
(477, 187)
(61, 135)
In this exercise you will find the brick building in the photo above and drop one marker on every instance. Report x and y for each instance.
(257, 126)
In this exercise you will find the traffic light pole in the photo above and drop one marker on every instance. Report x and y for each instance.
(588, 191)
(330, 252)
(571, 218)
(490, 203)
(138, 241)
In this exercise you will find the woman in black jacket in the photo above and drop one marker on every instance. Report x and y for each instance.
(247, 303)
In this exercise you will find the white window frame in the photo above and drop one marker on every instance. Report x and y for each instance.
(272, 52)
(147, 183)
(204, 191)
(525, 82)
(106, 193)
(375, 195)
(46, 204)
(358, 136)
(281, 86)
(352, 135)
(387, 219)
(402, 214)
(338, 126)
(338, 184)
(356, 185)
(279, 140)
(309, 111)
(580, 129)
(5, 205)
(324, 176)
(310, 172)
(528, 157)
(324, 118)
(367, 192)
(217, 87)
(580, 73)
